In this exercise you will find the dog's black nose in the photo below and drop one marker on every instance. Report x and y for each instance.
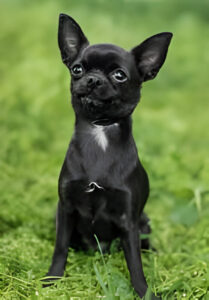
(94, 81)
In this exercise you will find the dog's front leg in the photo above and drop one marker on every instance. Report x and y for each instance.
(64, 228)
(131, 246)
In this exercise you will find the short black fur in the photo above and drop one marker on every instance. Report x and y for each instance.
(103, 186)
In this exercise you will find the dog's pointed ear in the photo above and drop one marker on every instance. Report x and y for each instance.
(71, 39)
(151, 54)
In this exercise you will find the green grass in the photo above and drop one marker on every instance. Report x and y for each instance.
(171, 132)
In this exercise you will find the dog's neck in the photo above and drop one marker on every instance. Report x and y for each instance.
(103, 135)
(124, 125)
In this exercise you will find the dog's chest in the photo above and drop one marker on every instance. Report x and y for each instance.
(100, 136)
(95, 152)
(97, 137)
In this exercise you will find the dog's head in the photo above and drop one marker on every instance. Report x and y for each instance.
(106, 79)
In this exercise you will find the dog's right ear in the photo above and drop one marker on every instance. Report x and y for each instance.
(71, 39)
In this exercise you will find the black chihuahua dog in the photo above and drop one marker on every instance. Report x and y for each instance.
(103, 186)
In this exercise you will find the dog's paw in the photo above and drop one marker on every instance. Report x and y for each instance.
(150, 296)
(49, 280)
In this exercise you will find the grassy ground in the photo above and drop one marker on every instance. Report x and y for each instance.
(171, 132)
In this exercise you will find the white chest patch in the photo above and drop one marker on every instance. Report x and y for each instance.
(100, 137)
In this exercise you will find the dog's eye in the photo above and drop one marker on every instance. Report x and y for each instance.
(77, 70)
(119, 76)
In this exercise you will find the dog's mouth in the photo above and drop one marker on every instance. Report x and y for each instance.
(104, 111)
(99, 110)
(99, 103)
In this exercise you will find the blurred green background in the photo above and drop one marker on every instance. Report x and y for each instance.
(171, 132)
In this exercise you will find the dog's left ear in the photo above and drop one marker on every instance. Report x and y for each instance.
(151, 54)
(71, 39)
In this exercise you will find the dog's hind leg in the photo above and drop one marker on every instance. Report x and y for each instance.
(144, 231)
